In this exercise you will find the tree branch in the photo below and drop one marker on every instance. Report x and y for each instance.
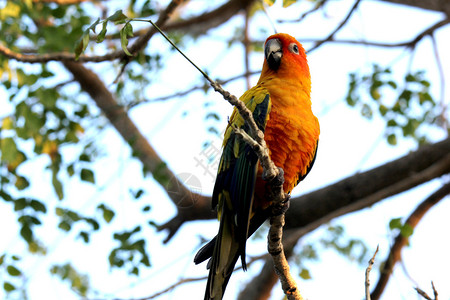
(401, 241)
(343, 22)
(137, 46)
(281, 265)
(368, 269)
(436, 5)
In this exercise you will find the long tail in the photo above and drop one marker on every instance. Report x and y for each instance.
(224, 254)
(223, 259)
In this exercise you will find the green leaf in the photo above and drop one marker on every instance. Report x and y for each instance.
(21, 183)
(395, 223)
(406, 230)
(57, 186)
(383, 109)
(410, 78)
(71, 170)
(125, 32)
(118, 17)
(20, 204)
(5, 196)
(392, 139)
(92, 27)
(85, 236)
(81, 44)
(108, 214)
(26, 233)
(13, 271)
(8, 149)
(304, 273)
(392, 84)
(64, 225)
(137, 194)
(87, 175)
(8, 287)
(102, 34)
(287, 3)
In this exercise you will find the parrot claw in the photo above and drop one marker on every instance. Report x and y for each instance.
(278, 180)
(282, 207)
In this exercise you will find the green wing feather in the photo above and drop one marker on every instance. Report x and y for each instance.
(233, 195)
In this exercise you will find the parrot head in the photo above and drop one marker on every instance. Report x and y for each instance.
(283, 53)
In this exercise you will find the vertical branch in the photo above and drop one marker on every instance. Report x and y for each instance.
(281, 265)
(369, 268)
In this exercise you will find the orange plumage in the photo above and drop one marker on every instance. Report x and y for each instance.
(281, 107)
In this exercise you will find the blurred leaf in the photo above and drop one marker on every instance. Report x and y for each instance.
(7, 123)
(85, 236)
(108, 214)
(13, 271)
(21, 183)
(38, 206)
(8, 287)
(118, 17)
(287, 3)
(20, 204)
(26, 233)
(395, 223)
(78, 282)
(102, 34)
(406, 230)
(64, 225)
(304, 274)
(81, 44)
(392, 139)
(125, 32)
(57, 186)
(87, 175)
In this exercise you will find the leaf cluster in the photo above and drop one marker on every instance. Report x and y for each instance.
(131, 252)
(407, 108)
(10, 273)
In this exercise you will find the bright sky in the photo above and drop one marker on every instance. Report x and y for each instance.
(176, 129)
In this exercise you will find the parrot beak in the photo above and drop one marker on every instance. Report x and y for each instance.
(273, 52)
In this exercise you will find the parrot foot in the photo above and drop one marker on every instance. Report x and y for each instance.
(282, 207)
(278, 180)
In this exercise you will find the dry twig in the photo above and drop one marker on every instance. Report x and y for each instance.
(369, 268)
(425, 295)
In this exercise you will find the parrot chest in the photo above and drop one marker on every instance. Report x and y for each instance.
(291, 135)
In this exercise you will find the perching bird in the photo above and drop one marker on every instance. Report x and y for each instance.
(281, 107)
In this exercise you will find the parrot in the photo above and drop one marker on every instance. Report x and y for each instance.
(281, 106)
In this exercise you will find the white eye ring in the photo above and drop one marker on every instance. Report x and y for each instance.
(293, 48)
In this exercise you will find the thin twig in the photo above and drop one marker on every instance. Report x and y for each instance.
(422, 293)
(369, 268)
(316, 7)
(425, 295)
(330, 37)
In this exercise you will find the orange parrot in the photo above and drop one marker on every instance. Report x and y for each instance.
(281, 107)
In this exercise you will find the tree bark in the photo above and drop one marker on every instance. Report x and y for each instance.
(435, 5)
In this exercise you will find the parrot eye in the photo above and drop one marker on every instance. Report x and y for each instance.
(293, 48)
